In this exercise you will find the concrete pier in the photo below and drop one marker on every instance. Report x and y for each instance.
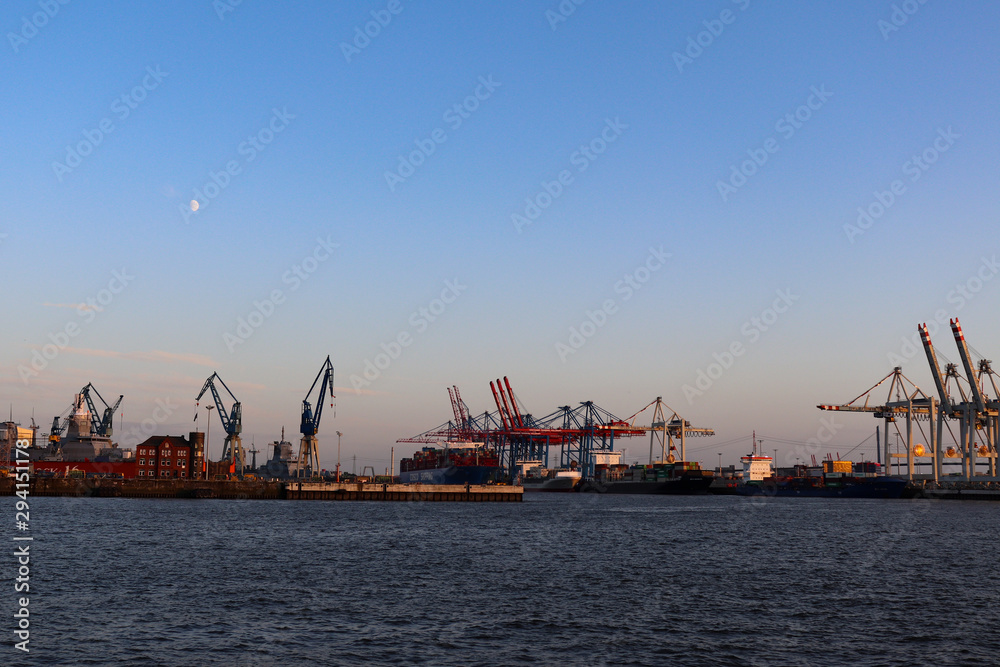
(260, 490)
(403, 492)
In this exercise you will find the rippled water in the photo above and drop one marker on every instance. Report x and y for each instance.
(571, 579)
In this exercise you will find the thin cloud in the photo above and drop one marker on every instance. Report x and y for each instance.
(74, 306)
(158, 356)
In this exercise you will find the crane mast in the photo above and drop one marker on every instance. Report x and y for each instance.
(309, 445)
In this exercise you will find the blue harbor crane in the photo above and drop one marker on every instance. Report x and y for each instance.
(309, 446)
(100, 425)
(232, 423)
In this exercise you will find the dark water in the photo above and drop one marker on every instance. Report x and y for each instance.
(557, 579)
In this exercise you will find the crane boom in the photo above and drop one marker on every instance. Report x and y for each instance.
(513, 403)
(100, 425)
(506, 408)
(232, 422)
(463, 410)
(925, 337)
(454, 408)
(963, 351)
(310, 421)
(496, 398)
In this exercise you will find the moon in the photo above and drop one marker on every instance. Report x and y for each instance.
(194, 204)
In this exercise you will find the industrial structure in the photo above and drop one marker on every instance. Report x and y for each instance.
(83, 432)
(100, 425)
(962, 399)
(670, 434)
(232, 423)
(309, 446)
(582, 437)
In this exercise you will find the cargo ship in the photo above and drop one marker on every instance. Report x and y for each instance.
(452, 463)
(677, 477)
(834, 479)
(535, 477)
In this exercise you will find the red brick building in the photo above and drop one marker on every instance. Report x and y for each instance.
(171, 457)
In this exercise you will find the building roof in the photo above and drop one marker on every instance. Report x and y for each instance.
(171, 440)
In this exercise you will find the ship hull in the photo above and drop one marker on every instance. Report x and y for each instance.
(559, 484)
(875, 487)
(451, 475)
(688, 486)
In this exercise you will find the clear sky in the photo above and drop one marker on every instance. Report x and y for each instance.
(650, 175)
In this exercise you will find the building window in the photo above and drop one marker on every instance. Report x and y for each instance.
(164, 473)
(165, 462)
(182, 463)
(142, 462)
(142, 473)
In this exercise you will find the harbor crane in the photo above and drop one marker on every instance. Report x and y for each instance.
(232, 423)
(904, 400)
(460, 409)
(100, 425)
(309, 446)
(664, 431)
(978, 416)
(979, 413)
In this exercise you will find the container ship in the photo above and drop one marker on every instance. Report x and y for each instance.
(677, 477)
(452, 463)
(834, 479)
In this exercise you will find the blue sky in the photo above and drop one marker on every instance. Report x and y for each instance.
(286, 143)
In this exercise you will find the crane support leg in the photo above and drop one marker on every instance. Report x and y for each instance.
(308, 455)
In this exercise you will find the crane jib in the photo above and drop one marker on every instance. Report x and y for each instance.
(311, 420)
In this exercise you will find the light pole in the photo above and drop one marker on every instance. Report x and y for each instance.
(208, 433)
(338, 455)
(720, 463)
